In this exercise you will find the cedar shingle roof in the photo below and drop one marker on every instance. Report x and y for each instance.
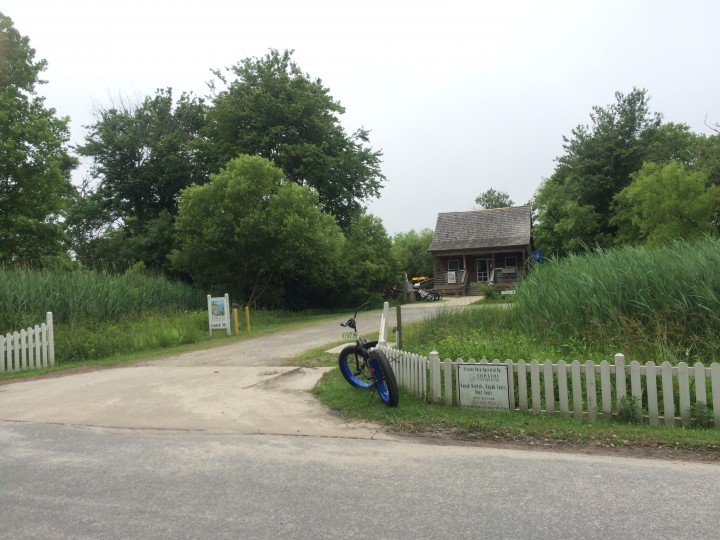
(495, 227)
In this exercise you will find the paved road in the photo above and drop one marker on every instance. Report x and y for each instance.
(228, 443)
(74, 482)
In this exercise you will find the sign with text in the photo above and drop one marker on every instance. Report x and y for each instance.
(484, 386)
(219, 313)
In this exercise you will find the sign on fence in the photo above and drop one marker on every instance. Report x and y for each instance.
(484, 386)
(219, 313)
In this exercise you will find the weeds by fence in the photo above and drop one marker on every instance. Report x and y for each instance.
(657, 394)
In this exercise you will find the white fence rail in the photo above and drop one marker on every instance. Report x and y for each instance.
(31, 348)
(663, 393)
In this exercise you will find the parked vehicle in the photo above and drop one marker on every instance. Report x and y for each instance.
(429, 295)
(363, 366)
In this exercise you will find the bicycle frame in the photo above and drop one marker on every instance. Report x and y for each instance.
(365, 368)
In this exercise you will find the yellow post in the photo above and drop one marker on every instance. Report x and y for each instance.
(247, 318)
(235, 315)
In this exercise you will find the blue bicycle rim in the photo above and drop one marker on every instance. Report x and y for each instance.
(347, 370)
(379, 380)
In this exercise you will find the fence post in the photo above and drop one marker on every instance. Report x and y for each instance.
(382, 338)
(51, 338)
(715, 382)
(591, 391)
(668, 395)
(684, 393)
(435, 376)
(620, 390)
(636, 388)
(398, 328)
(448, 372)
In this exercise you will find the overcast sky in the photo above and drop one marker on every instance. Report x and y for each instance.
(460, 96)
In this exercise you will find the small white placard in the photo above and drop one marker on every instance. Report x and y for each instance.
(451, 277)
(484, 386)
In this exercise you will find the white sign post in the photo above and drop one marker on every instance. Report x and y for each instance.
(484, 386)
(219, 313)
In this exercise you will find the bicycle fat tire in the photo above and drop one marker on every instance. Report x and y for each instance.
(385, 382)
(354, 368)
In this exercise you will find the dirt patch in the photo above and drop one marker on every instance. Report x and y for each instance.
(539, 444)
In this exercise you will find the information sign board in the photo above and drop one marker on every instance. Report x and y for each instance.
(484, 386)
(219, 313)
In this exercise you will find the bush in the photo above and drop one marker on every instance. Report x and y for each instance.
(94, 341)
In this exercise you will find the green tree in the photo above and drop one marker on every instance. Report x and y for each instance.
(366, 269)
(142, 155)
(573, 206)
(252, 233)
(35, 164)
(270, 108)
(493, 199)
(667, 202)
(708, 157)
(410, 253)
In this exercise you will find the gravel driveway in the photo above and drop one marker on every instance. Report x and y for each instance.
(244, 388)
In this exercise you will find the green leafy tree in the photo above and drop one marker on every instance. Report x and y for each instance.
(573, 206)
(366, 269)
(667, 202)
(708, 157)
(270, 108)
(35, 164)
(410, 253)
(493, 199)
(254, 234)
(142, 155)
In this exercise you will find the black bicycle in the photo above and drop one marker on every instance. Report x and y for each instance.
(363, 366)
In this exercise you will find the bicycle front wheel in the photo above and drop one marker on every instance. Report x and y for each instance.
(385, 382)
(354, 367)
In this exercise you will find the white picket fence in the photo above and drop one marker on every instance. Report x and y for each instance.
(31, 348)
(659, 393)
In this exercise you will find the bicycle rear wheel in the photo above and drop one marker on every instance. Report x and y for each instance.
(385, 382)
(354, 367)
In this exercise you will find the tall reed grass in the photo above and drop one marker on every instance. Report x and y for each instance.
(662, 300)
(660, 303)
(87, 295)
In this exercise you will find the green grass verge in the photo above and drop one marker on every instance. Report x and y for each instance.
(133, 340)
(415, 416)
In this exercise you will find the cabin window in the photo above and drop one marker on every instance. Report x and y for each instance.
(510, 261)
(453, 265)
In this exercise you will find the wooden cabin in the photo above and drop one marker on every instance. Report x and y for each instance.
(480, 246)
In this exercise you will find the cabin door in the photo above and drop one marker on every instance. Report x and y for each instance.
(484, 269)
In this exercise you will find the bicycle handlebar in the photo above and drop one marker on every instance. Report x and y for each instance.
(351, 321)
